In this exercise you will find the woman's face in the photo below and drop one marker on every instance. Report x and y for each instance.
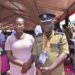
(19, 26)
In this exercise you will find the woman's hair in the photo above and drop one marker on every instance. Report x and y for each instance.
(19, 19)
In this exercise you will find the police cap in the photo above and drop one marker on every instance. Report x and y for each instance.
(46, 17)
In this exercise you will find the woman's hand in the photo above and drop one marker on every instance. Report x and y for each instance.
(25, 67)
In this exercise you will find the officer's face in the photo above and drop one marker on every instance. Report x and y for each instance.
(47, 27)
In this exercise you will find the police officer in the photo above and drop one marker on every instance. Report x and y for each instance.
(53, 48)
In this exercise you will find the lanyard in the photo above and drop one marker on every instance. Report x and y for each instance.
(43, 41)
(45, 44)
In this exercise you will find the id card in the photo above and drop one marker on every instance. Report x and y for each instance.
(43, 57)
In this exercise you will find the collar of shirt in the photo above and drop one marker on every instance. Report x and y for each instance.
(51, 34)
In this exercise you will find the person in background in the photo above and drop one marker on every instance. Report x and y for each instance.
(72, 51)
(38, 30)
(70, 35)
(51, 52)
(19, 50)
(4, 61)
(38, 38)
(13, 32)
(2, 39)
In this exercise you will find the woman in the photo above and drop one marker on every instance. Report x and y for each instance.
(18, 49)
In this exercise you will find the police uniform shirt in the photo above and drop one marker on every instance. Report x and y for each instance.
(56, 45)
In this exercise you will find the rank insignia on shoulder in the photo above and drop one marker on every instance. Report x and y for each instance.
(59, 33)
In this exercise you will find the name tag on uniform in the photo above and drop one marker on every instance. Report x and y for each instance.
(43, 57)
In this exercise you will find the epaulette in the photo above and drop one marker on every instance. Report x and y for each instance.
(59, 33)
